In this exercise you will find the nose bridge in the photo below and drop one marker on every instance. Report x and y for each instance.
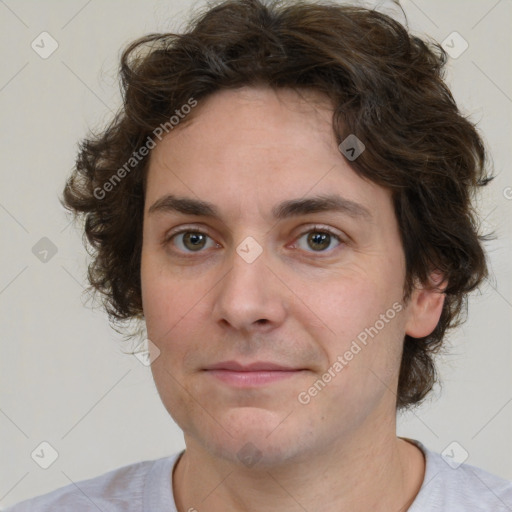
(249, 292)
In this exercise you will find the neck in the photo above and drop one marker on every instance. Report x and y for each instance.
(363, 472)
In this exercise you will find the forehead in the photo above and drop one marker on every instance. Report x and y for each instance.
(252, 117)
(253, 148)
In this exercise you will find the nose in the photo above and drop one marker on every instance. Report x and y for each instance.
(250, 296)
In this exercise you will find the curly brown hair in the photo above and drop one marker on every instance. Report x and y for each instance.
(387, 87)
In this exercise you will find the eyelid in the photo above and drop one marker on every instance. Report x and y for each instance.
(184, 229)
(319, 227)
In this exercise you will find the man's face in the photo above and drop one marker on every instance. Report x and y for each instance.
(300, 303)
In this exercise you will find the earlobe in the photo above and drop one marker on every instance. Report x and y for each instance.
(425, 307)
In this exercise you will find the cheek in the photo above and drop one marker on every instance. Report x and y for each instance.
(343, 303)
(160, 301)
(175, 309)
(366, 345)
(361, 320)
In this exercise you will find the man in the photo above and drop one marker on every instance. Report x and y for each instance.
(285, 201)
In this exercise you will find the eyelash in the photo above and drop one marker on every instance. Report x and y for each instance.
(312, 229)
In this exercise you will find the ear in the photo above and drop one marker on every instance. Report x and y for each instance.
(425, 306)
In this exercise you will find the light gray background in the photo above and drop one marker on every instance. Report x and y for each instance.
(64, 377)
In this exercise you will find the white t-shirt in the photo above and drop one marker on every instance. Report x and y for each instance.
(146, 487)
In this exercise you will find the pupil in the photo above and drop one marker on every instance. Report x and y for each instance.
(320, 238)
(195, 239)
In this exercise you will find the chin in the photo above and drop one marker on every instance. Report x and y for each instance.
(255, 438)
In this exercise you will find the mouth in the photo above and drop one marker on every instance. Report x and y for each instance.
(251, 375)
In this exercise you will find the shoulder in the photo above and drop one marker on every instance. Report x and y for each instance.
(120, 489)
(460, 487)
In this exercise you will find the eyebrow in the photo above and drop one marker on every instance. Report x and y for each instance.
(290, 208)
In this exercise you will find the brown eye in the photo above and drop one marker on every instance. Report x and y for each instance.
(319, 240)
(191, 241)
(194, 241)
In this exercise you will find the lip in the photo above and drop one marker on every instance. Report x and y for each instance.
(252, 378)
(252, 367)
(251, 375)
